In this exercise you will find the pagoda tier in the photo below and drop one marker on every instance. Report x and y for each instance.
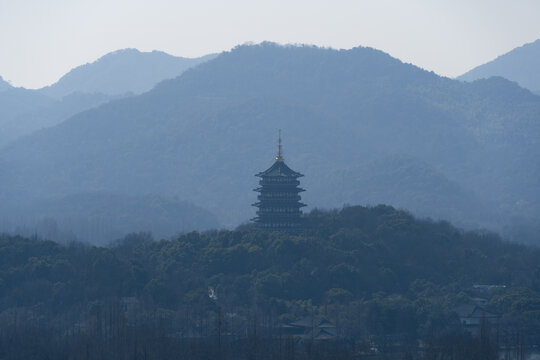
(279, 200)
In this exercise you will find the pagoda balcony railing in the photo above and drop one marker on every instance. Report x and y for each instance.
(265, 211)
(284, 182)
(289, 219)
(279, 225)
(279, 198)
(273, 189)
(277, 194)
(278, 179)
(279, 204)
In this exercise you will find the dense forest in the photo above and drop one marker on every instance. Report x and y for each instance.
(388, 283)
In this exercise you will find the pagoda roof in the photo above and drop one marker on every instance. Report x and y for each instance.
(279, 168)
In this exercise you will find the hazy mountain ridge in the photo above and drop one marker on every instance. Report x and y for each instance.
(117, 74)
(122, 71)
(100, 217)
(203, 135)
(520, 65)
(411, 184)
(42, 112)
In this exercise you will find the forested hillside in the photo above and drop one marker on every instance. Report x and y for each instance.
(379, 274)
(362, 126)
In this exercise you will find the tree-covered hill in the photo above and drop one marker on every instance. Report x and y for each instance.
(377, 272)
(357, 252)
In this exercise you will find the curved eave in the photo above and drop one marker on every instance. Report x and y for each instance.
(279, 168)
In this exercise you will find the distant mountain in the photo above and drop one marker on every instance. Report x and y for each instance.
(4, 85)
(24, 111)
(115, 75)
(521, 65)
(16, 101)
(103, 217)
(121, 72)
(361, 125)
(411, 184)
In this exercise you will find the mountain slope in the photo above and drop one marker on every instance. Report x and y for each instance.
(15, 101)
(23, 111)
(4, 85)
(520, 65)
(122, 71)
(114, 75)
(100, 218)
(203, 135)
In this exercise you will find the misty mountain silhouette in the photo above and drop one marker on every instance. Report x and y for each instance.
(362, 126)
(521, 65)
(117, 74)
(100, 218)
(122, 71)
(23, 111)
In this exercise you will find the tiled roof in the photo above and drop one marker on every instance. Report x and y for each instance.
(279, 168)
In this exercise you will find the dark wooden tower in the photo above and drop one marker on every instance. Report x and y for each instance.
(279, 200)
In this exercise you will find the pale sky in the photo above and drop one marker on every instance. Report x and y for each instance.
(40, 40)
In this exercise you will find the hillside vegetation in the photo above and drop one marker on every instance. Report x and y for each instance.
(378, 273)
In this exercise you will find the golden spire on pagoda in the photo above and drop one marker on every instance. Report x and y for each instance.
(279, 156)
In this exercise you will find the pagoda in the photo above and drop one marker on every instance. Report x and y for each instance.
(279, 200)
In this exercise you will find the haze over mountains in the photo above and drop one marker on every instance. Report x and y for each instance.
(118, 74)
(93, 216)
(102, 217)
(521, 65)
(362, 126)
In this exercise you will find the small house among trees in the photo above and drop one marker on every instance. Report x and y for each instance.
(311, 328)
(471, 317)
